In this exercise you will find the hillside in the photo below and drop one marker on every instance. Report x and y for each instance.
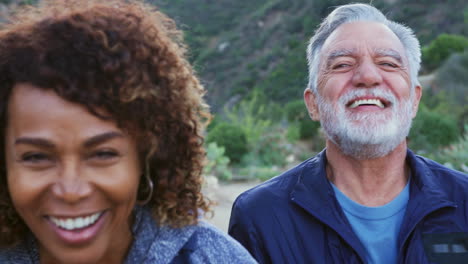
(238, 46)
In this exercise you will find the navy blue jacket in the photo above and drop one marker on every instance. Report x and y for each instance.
(295, 218)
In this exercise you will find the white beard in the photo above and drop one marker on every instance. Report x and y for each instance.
(366, 135)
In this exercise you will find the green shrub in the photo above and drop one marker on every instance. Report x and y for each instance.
(296, 113)
(259, 172)
(456, 155)
(450, 88)
(293, 132)
(431, 130)
(231, 137)
(308, 128)
(441, 48)
(217, 164)
(249, 115)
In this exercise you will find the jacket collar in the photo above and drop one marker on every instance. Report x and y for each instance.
(314, 193)
(426, 195)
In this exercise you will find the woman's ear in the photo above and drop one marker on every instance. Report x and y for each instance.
(311, 104)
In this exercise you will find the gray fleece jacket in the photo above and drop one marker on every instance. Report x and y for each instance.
(200, 243)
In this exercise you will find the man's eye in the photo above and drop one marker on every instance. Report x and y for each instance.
(389, 64)
(340, 66)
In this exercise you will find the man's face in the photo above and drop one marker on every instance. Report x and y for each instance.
(364, 101)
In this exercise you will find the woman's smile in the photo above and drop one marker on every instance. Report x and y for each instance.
(78, 230)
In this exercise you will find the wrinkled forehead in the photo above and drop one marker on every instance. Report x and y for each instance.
(361, 38)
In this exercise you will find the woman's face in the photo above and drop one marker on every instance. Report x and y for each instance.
(73, 177)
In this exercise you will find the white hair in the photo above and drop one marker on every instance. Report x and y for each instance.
(361, 12)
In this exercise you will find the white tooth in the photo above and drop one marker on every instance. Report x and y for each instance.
(62, 223)
(354, 105)
(379, 104)
(87, 221)
(79, 223)
(69, 224)
(55, 221)
(95, 217)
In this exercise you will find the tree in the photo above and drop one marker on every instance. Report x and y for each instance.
(441, 48)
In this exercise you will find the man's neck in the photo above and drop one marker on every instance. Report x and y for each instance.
(373, 182)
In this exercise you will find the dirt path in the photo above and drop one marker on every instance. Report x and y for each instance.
(224, 195)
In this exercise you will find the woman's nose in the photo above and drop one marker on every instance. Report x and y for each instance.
(71, 186)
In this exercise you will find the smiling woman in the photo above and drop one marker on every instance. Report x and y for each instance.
(101, 118)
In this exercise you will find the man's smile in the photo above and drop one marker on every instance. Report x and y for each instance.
(369, 101)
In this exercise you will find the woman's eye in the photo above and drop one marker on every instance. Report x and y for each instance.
(35, 157)
(105, 154)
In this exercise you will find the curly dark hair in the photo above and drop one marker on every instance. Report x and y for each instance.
(128, 59)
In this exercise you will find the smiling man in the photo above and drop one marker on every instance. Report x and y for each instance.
(366, 198)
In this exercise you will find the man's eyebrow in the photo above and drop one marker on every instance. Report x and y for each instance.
(101, 138)
(389, 53)
(339, 53)
(38, 142)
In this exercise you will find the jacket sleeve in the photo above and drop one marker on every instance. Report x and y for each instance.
(243, 230)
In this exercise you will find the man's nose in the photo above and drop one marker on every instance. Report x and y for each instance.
(367, 75)
(71, 186)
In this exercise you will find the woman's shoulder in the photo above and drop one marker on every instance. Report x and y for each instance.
(210, 245)
(19, 254)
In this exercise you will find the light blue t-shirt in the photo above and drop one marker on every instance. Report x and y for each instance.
(376, 227)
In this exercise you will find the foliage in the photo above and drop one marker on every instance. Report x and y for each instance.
(441, 48)
(262, 173)
(247, 116)
(293, 133)
(431, 130)
(296, 113)
(287, 79)
(308, 129)
(237, 46)
(269, 150)
(456, 155)
(450, 88)
(231, 137)
(217, 164)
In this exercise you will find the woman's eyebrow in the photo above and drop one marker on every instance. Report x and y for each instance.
(101, 138)
(38, 142)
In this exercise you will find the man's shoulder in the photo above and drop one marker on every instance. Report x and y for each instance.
(440, 171)
(440, 178)
(277, 188)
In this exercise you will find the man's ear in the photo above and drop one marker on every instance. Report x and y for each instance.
(312, 107)
(417, 98)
